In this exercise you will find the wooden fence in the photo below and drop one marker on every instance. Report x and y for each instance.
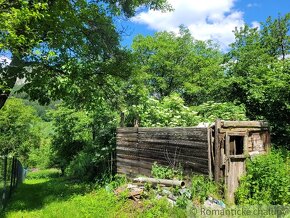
(220, 150)
(139, 148)
(11, 174)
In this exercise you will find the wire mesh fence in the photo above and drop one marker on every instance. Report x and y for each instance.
(11, 174)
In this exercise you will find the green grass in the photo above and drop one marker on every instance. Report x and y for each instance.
(46, 194)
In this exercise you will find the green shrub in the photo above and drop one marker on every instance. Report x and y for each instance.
(210, 111)
(202, 187)
(79, 167)
(40, 157)
(172, 111)
(43, 174)
(161, 208)
(267, 180)
(162, 172)
(83, 142)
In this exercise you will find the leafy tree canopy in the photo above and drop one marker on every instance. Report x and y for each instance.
(258, 74)
(64, 48)
(83, 141)
(178, 63)
(17, 128)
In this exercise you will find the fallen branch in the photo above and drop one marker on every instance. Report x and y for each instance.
(166, 182)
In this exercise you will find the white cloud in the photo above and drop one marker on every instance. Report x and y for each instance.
(256, 24)
(205, 19)
(252, 5)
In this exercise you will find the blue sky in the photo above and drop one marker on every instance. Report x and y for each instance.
(206, 19)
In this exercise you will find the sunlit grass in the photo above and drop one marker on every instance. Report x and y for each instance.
(46, 194)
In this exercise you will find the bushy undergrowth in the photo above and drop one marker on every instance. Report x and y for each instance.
(160, 208)
(162, 172)
(267, 180)
(40, 157)
(42, 174)
(172, 111)
(202, 187)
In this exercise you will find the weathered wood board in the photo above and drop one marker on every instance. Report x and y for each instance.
(139, 148)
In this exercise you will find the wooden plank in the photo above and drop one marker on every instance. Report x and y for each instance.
(126, 148)
(185, 133)
(243, 130)
(173, 144)
(137, 164)
(130, 160)
(209, 134)
(128, 165)
(182, 159)
(184, 141)
(126, 157)
(127, 152)
(144, 172)
(171, 129)
(130, 172)
(244, 124)
(127, 135)
(126, 143)
(127, 130)
(192, 134)
(200, 133)
(173, 138)
(217, 150)
(195, 165)
(196, 170)
(127, 139)
(171, 153)
(236, 170)
(133, 139)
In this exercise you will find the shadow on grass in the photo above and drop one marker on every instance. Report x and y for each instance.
(36, 193)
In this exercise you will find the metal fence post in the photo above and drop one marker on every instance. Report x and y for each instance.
(4, 180)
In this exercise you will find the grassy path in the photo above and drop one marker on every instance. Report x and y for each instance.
(45, 195)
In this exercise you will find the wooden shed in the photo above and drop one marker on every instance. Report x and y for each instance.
(218, 150)
(234, 142)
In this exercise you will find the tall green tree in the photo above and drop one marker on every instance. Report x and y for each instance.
(275, 37)
(63, 48)
(17, 129)
(258, 74)
(178, 63)
(72, 133)
(83, 142)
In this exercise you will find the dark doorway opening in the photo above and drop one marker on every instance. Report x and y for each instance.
(236, 145)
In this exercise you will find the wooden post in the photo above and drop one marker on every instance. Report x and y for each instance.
(209, 136)
(16, 178)
(5, 181)
(217, 151)
(12, 176)
(136, 123)
(122, 121)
